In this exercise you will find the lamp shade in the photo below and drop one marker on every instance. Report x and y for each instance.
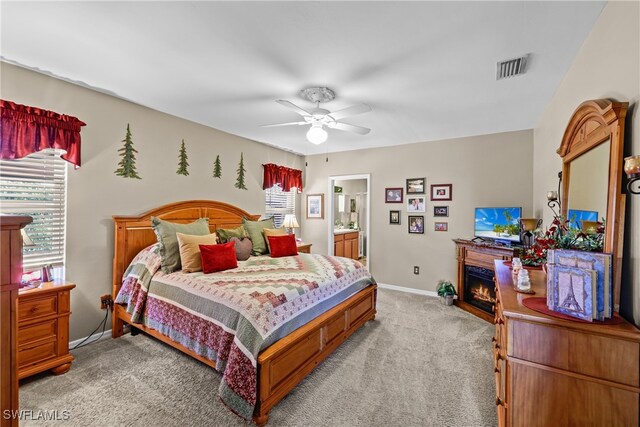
(290, 221)
(26, 240)
(529, 224)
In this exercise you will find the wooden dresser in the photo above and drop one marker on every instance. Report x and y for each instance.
(554, 372)
(43, 329)
(304, 248)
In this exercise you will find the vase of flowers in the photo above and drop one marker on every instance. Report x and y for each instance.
(561, 236)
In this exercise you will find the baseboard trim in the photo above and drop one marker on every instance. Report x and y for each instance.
(92, 339)
(408, 290)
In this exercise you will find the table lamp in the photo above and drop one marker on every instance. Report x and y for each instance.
(290, 222)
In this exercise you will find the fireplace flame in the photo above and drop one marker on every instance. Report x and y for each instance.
(482, 293)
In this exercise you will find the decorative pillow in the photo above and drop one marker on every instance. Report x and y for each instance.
(189, 247)
(272, 232)
(166, 234)
(254, 230)
(225, 234)
(218, 257)
(283, 245)
(243, 247)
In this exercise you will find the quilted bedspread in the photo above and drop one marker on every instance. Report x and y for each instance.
(229, 317)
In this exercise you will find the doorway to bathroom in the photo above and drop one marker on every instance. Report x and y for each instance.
(349, 209)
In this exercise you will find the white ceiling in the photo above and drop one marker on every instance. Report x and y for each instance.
(426, 68)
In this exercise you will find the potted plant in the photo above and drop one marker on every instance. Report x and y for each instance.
(446, 292)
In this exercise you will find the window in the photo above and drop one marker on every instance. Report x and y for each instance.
(36, 185)
(279, 203)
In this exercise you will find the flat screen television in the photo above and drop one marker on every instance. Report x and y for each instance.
(576, 216)
(498, 224)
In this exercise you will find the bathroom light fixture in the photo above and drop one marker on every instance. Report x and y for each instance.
(316, 134)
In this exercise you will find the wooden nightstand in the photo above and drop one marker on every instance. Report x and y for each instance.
(43, 329)
(304, 248)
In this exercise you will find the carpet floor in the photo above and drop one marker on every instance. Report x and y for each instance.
(418, 364)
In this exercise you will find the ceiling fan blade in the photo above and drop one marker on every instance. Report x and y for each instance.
(350, 111)
(294, 107)
(284, 124)
(351, 128)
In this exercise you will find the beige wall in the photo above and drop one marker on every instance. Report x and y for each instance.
(95, 193)
(488, 170)
(607, 66)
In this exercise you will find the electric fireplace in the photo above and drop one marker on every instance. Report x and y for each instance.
(479, 289)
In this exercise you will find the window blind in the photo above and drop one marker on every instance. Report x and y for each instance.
(36, 186)
(278, 203)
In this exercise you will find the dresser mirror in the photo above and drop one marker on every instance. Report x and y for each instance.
(592, 150)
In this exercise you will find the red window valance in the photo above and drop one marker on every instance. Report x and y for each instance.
(286, 177)
(26, 130)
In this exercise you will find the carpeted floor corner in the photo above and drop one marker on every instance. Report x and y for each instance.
(418, 364)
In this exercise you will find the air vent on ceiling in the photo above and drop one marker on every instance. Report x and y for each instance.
(511, 67)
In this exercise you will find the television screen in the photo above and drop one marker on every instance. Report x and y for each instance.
(498, 223)
(576, 216)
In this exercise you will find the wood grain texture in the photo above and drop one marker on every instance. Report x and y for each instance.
(285, 363)
(304, 248)
(10, 277)
(560, 372)
(43, 329)
(593, 123)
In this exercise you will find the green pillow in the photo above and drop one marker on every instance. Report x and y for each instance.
(225, 234)
(254, 230)
(168, 242)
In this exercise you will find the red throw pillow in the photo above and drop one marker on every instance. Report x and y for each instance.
(218, 257)
(283, 245)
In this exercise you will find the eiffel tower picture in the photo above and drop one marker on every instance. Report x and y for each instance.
(570, 301)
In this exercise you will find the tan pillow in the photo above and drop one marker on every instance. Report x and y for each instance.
(189, 246)
(272, 232)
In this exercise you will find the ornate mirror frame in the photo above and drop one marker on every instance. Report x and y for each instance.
(593, 123)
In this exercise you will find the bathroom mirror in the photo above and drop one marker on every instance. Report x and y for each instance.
(592, 150)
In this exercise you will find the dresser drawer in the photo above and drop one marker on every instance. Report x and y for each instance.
(38, 331)
(37, 307)
(36, 354)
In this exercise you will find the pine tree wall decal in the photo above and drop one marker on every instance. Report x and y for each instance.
(127, 164)
(217, 168)
(241, 171)
(182, 161)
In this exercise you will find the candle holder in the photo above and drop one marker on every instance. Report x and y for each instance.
(632, 169)
(553, 198)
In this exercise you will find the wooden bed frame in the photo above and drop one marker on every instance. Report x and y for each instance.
(282, 365)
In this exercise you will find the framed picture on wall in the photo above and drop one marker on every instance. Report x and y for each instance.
(442, 226)
(441, 192)
(416, 224)
(416, 204)
(416, 185)
(394, 217)
(441, 211)
(393, 195)
(315, 206)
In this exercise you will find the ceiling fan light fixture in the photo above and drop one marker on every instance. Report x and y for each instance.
(317, 135)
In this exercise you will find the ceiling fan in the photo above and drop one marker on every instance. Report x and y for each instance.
(318, 118)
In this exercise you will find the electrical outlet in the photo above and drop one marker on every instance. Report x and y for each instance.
(416, 269)
(106, 302)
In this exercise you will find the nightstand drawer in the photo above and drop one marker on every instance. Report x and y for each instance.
(37, 332)
(38, 353)
(37, 307)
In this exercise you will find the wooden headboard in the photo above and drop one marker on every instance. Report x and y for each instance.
(134, 233)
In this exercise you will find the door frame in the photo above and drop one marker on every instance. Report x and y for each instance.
(331, 182)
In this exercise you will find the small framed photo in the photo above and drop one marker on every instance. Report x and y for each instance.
(394, 217)
(315, 206)
(393, 195)
(442, 226)
(416, 224)
(416, 185)
(441, 211)
(441, 191)
(416, 204)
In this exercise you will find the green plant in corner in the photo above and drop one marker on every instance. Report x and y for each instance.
(127, 164)
(446, 291)
(182, 161)
(217, 168)
(240, 181)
